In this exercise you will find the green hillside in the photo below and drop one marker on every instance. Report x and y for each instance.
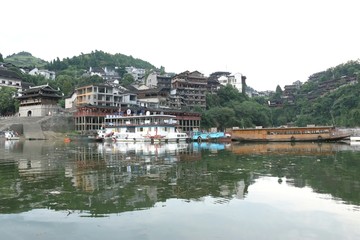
(98, 59)
(25, 59)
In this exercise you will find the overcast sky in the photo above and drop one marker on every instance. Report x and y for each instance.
(271, 42)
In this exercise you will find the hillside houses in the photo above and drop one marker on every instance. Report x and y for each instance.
(9, 78)
(51, 75)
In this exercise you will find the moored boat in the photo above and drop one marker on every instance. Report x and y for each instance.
(211, 136)
(11, 135)
(354, 139)
(156, 127)
(289, 134)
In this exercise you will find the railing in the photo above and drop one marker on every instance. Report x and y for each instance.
(91, 114)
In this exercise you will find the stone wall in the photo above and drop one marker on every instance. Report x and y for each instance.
(58, 124)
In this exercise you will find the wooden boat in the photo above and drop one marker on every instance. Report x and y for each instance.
(289, 134)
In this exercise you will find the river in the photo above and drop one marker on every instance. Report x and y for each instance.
(85, 190)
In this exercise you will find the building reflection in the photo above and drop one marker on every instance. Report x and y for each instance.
(100, 178)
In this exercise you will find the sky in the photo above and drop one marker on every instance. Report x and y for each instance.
(272, 43)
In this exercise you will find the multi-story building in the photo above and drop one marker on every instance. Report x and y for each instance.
(93, 102)
(188, 90)
(154, 80)
(152, 98)
(104, 95)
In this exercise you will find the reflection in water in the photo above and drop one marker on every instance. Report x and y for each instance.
(103, 178)
(300, 148)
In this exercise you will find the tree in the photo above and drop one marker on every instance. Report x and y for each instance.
(95, 79)
(65, 83)
(1, 58)
(229, 93)
(127, 80)
(162, 70)
(8, 104)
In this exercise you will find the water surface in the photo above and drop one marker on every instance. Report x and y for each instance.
(81, 190)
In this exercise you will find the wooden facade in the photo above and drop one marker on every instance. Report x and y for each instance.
(188, 89)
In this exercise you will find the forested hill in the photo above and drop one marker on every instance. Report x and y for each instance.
(98, 59)
(330, 97)
(25, 59)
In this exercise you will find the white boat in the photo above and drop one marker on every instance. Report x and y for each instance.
(104, 134)
(354, 139)
(156, 127)
(11, 135)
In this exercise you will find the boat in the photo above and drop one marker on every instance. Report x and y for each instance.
(211, 136)
(354, 139)
(289, 134)
(155, 127)
(103, 135)
(11, 135)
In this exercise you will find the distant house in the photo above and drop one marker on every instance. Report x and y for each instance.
(39, 101)
(237, 80)
(137, 73)
(43, 72)
(10, 78)
(154, 80)
(106, 73)
(152, 98)
(70, 101)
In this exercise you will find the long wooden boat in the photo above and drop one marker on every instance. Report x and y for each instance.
(289, 134)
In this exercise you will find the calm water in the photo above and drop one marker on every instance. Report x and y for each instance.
(56, 190)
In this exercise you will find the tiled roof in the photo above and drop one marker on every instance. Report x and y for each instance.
(9, 74)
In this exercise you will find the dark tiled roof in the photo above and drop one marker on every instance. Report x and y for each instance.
(9, 74)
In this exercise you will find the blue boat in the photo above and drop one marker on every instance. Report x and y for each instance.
(210, 136)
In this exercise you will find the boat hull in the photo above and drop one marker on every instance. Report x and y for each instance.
(301, 134)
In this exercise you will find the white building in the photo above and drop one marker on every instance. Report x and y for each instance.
(137, 73)
(46, 73)
(234, 80)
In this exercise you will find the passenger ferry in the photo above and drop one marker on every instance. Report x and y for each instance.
(289, 134)
(156, 127)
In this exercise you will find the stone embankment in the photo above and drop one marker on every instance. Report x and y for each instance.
(38, 128)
